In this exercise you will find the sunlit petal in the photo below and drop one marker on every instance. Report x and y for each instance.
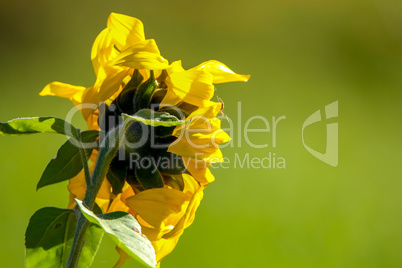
(220, 72)
(142, 55)
(74, 93)
(125, 30)
(194, 87)
(156, 205)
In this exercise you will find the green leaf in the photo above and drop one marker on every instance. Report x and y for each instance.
(132, 179)
(65, 166)
(116, 175)
(89, 136)
(149, 176)
(31, 125)
(144, 93)
(173, 110)
(125, 101)
(49, 239)
(67, 163)
(155, 119)
(169, 163)
(125, 231)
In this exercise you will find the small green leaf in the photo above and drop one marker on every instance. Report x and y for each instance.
(144, 93)
(116, 175)
(125, 232)
(152, 118)
(157, 98)
(49, 239)
(67, 163)
(133, 180)
(169, 163)
(31, 125)
(148, 175)
(125, 101)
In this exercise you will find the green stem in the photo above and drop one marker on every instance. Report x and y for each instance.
(84, 161)
(79, 240)
(107, 151)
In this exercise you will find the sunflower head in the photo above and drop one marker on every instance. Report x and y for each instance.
(160, 170)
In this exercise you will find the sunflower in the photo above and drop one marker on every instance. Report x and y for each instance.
(160, 173)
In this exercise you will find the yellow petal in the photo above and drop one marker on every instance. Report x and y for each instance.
(110, 85)
(184, 148)
(74, 93)
(105, 192)
(102, 50)
(118, 203)
(164, 240)
(156, 205)
(199, 170)
(142, 55)
(163, 247)
(187, 219)
(122, 32)
(125, 30)
(122, 259)
(207, 112)
(190, 185)
(175, 67)
(203, 126)
(92, 120)
(192, 86)
(170, 99)
(77, 188)
(221, 72)
(200, 138)
(109, 82)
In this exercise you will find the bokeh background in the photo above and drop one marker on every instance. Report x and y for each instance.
(302, 55)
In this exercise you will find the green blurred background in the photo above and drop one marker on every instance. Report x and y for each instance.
(302, 55)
